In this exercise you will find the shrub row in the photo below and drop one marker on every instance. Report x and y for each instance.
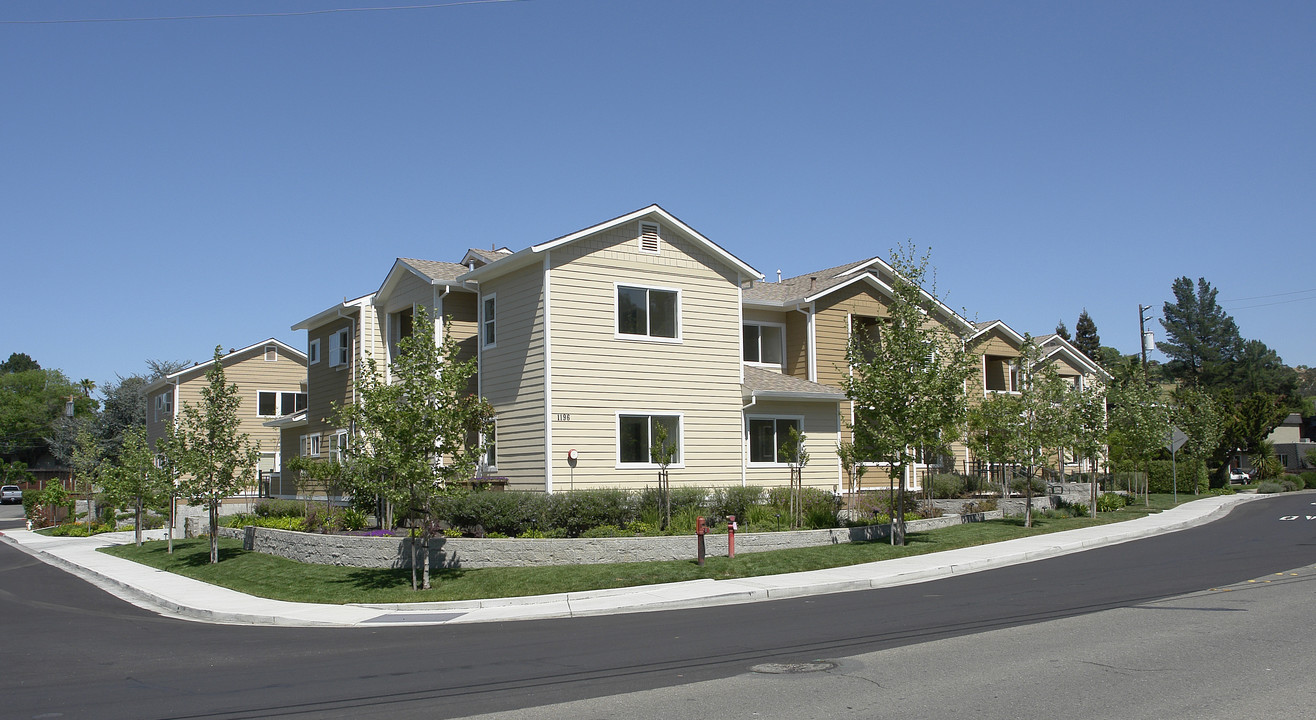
(613, 511)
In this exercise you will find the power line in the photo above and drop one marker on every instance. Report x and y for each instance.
(329, 11)
(1263, 297)
(1277, 302)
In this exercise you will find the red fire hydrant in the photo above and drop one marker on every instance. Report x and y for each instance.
(700, 530)
(731, 536)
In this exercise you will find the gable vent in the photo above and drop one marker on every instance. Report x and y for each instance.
(649, 237)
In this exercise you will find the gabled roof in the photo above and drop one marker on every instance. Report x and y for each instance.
(1055, 345)
(332, 312)
(201, 366)
(810, 287)
(484, 257)
(531, 254)
(432, 272)
(769, 385)
(982, 328)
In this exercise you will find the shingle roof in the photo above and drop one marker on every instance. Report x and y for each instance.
(768, 382)
(442, 271)
(801, 286)
(489, 255)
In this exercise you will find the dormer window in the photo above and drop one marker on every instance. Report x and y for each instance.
(649, 236)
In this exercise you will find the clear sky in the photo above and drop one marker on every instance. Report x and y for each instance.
(170, 185)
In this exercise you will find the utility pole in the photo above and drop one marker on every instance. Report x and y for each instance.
(1142, 336)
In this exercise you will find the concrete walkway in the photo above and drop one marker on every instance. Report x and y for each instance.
(181, 597)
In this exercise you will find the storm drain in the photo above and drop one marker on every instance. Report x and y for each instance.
(793, 668)
(415, 618)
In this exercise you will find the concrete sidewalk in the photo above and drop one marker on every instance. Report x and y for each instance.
(181, 597)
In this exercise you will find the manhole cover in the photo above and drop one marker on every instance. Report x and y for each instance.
(792, 668)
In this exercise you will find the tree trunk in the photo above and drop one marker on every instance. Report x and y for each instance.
(425, 558)
(137, 520)
(898, 517)
(414, 559)
(214, 531)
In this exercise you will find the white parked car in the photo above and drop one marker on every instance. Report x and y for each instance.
(1238, 475)
(10, 494)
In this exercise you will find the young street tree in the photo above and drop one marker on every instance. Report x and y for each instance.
(419, 433)
(218, 461)
(1139, 424)
(907, 380)
(134, 480)
(1019, 428)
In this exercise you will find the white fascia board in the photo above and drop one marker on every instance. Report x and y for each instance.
(522, 257)
(870, 279)
(1081, 360)
(807, 396)
(1004, 328)
(332, 313)
(296, 419)
(202, 366)
(866, 264)
(396, 272)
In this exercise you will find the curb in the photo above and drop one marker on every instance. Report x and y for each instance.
(644, 598)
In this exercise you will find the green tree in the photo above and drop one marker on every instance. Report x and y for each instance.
(854, 468)
(662, 453)
(1086, 338)
(1085, 411)
(17, 363)
(1139, 422)
(123, 409)
(420, 433)
(216, 458)
(797, 457)
(1063, 331)
(1199, 415)
(134, 480)
(907, 380)
(1020, 428)
(32, 404)
(86, 460)
(1201, 339)
(1257, 368)
(1265, 462)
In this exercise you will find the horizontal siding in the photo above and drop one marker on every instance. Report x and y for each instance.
(596, 374)
(328, 386)
(512, 377)
(820, 431)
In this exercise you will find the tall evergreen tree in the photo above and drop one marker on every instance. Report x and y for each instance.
(1086, 338)
(1201, 339)
(1063, 331)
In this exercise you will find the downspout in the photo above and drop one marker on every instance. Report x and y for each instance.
(351, 369)
(548, 379)
(744, 433)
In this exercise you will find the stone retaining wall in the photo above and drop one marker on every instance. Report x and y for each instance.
(375, 552)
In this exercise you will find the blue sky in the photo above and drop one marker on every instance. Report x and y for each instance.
(167, 186)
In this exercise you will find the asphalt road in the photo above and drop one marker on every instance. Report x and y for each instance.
(74, 651)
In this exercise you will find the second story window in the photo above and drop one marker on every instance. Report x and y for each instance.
(488, 317)
(648, 312)
(275, 404)
(340, 344)
(1000, 374)
(763, 344)
(313, 352)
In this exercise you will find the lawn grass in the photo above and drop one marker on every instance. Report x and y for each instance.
(281, 579)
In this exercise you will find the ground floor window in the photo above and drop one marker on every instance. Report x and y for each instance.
(637, 434)
(768, 435)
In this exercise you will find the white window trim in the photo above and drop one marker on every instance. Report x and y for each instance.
(1009, 375)
(271, 350)
(275, 393)
(340, 347)
(777, 444)
(658, 235)
(310, 445)
(616, 439)
(486, 321)
(760, 363)
(492, 439)
(313, 352)
(616, 319)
